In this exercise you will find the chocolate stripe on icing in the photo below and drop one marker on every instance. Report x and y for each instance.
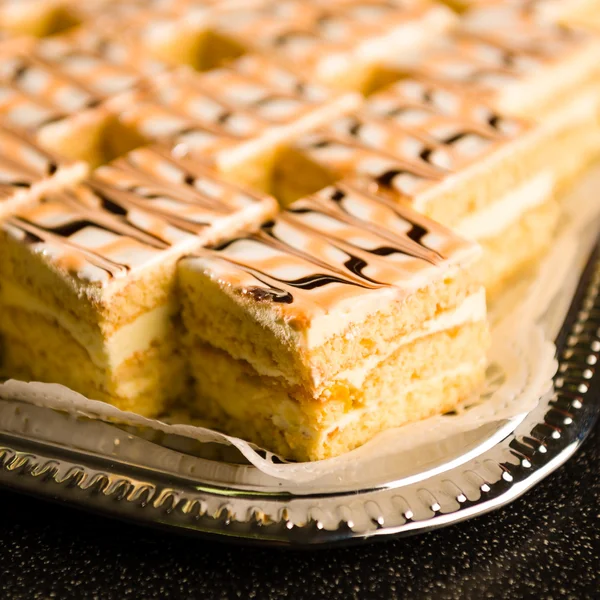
(139, 210)
(494, 61)
(413, 246)
(37, 234)
(23, 162)
(351, 156)
(337, 245)
(281, 244)
(308, 32)
(422, 105)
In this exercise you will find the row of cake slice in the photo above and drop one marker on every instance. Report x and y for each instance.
(334, 42)
(346, 313)
(427, 140)
(343, 303)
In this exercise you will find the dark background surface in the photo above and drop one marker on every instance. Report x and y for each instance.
(545, 545)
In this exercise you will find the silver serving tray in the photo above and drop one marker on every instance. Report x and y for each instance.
(209, 489)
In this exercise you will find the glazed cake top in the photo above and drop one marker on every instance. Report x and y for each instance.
(26, 112)
(492, 65)
(316, 35)
(23, 163)
(340, 249)
(132, 214)
(189, 120)
(503, 19)
(517, 26)
(208, 112)
(422, 104)
(256, 85)
(406, 143)
(98, 42)
(66, 83)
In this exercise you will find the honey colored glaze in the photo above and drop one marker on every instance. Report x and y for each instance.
(130, 215)
(338, 245)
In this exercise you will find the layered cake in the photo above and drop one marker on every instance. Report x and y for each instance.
(424, 144)
(244, 113)
(142, 251)
(345, 315)
(339, 44)
(545, 72)
(542, 70)
(58, 99)
(527, 75)
(87, 275)
(27, 171)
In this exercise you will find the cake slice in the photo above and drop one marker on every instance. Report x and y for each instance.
(87, 276)
(238, 115)
(456, 160)
(524, 67)
(344, 316)
(58, 99)
(540, 70)
(26, 170)
(337, 44)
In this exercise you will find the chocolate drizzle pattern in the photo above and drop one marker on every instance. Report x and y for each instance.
(23, 163)
(211, 127)
(339, 244)
(178, 187)
(517, 26)
(307, 32)
(253, 87)
(70, 82)
(133, 213)
(97, 43)
(89, 245)
(488, 64)
(428, 106)
(407, 159)
(43, 83)
(346, 155)
(24, 112)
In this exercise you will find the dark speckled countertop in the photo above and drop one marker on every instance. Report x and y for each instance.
(545, 545)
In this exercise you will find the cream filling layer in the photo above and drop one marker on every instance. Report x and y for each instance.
(105, 352)
(356, 414)
(498, 216)
(471, 310)
(356, 311)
